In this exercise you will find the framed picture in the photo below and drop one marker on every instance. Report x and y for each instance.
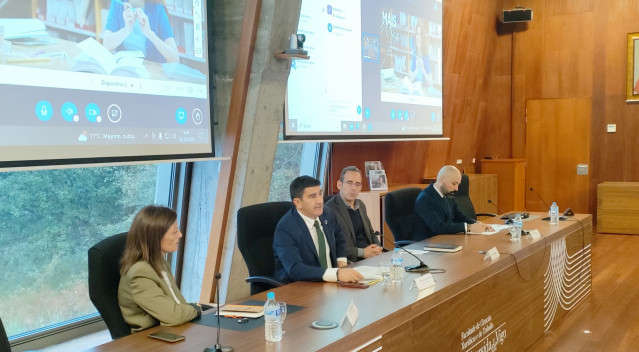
(378, 180)
(371, 166)
(632, 69)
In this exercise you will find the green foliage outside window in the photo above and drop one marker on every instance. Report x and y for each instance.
(48, 221)
(286, 168)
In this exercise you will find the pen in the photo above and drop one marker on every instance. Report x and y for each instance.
(374, 282)
(28, 59)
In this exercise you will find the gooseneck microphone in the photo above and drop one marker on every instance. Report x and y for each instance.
(422, 267)
(501, 212)
(561, 218)
(539, 196)
(218, 347)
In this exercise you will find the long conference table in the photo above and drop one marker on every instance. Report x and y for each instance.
(478, 304)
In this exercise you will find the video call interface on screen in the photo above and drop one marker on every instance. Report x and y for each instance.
(375, 69)
(71, 89)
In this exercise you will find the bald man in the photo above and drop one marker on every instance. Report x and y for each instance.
(437, 212)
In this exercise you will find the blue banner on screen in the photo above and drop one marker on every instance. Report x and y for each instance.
(375, 71)
(126, 81)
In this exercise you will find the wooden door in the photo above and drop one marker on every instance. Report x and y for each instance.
(557, 140)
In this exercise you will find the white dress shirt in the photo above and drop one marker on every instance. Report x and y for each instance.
(330, 275)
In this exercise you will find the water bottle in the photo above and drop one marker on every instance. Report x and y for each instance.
(554, 214)
(272, 319)
(515, 229)
(397, 266)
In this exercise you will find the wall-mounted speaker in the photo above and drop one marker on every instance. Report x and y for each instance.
(517, 15)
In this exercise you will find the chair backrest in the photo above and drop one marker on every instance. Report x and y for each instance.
(4, 340)
(398, 212)
(255, 229)
(462, 198)
(104, 278)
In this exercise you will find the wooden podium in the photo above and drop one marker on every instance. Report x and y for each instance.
(511, 182)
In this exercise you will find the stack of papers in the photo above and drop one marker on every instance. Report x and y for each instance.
(495, 227)
(15, 28)
(242, 311)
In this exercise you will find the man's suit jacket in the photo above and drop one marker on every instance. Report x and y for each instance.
(294, 251)
(341, 212)
(437, 215)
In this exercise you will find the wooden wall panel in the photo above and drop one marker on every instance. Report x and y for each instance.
(571, 49)
(469, 46)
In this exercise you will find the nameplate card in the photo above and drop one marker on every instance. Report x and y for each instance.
(492, 254)
(534, 234)
(424, 282)
(425, 292)
(351, 313)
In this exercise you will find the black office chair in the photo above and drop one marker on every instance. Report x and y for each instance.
(398, 213)
(462, 198)
(255, 229)
(104, 278)
(4, 340)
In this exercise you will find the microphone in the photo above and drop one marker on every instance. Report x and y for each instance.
(510, 220)
(218, 347)
(539, 196)
(422, 267)
(547, 218)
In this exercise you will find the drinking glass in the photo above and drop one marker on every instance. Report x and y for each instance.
(515, 232)
(282, 314)
(384, 271)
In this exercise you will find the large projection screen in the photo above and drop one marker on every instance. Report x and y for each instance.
(375, 71)
(126, 81)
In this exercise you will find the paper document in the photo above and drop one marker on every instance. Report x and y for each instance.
(368, 272)
(237, 310)
(495, 227)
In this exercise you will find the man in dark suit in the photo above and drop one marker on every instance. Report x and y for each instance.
(308, 243)
(361, 240)
(436, 210)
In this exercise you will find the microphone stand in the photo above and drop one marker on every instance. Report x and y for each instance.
(561, 218)
(510, 220)
(422, 267)
(218, 347)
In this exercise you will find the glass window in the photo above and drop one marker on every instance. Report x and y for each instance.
(48, 221)
(292, 160)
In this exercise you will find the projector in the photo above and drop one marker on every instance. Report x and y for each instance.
(519, 14)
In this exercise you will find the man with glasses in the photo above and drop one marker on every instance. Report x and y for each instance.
(361, 240)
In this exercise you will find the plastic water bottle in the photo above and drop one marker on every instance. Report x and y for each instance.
(515, 229)
(272, 320)
(554, 214)
(397, 266)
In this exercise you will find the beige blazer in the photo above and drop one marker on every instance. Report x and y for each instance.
(145, 299)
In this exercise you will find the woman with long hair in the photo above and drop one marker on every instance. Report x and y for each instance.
(148, 294)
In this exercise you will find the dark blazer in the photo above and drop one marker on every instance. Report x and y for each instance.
(437, 215)
(341, 213)
(295, 254)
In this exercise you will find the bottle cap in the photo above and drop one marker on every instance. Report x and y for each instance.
(396, 249)
(270, 295)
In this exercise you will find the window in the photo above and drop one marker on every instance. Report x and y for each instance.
(48, 221)
(292, 160)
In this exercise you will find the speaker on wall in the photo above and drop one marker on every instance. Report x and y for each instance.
(517, 15)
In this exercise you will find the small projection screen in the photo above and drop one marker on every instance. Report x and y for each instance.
(126, 81)
(375, 71)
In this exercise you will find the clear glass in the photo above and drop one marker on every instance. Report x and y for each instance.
(282, 314)
(48, 221)
(515, 232)
(384, 271)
